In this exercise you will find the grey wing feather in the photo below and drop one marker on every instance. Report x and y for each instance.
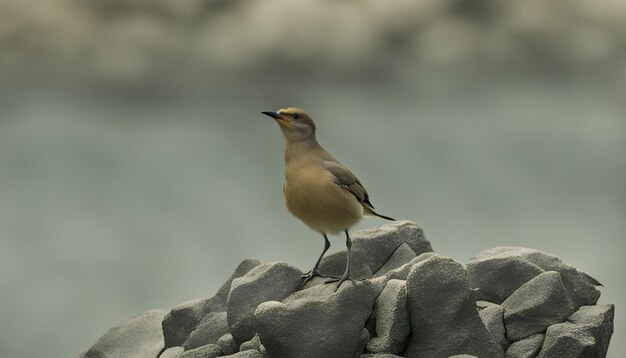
(345, 179)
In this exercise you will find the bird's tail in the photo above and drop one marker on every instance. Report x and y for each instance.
(384, 217)
(371, 211)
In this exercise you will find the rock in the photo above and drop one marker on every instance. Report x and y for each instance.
(379, 356)
(365, 336)
(392, 319)
(267, 282)
(335, 264)
(173, 352)
(539, 303)
(228, 344)
(209, 330)
(494, 278)
(484, 304)
(243, 268)
(493, 318)
(300, 327)
(444, 318)
(246, 354)
(521, 263)
(526, 348)
(206, 351)
(401, 256)
(254, 343)
(184, 318)
(138, 337)
(372, 248)
(463, 356)
(402, 272)
(586, 334)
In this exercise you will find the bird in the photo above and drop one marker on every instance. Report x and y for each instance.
(318, 189)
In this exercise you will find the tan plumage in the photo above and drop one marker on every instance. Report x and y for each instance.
(319, 190)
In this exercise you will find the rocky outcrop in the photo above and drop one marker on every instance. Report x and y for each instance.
(508, 302)
(139, 337)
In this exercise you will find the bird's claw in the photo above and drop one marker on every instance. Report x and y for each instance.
(341, 279)
(306, 277)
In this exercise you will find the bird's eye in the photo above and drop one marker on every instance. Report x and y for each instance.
(296, 117)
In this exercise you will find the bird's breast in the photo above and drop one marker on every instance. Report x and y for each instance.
(312, 195)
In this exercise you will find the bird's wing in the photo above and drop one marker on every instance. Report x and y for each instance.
(345, 179)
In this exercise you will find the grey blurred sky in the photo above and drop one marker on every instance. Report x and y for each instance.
(136, 171)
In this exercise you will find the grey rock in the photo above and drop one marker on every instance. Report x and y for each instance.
(493, 318)
(206, 351)
(228, 344)
(138, 337)
(402, 272)
(372, 248)
(526, 348)
(365, 336)
(254, 343)
(243, 268)
(462, 356)
(184, 318)
(484, 304)
(494, 278)
(209, 330)
(267, 282)
(539, 303)
(580, 286)
(335, 264)
(444, 317)
(246, 354)
(299, 327)
(392, 319)
(377, 355)
(173, 352)
(586, 334)
(401, 256)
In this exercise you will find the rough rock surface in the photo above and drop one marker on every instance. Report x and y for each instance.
(372, 248)
(267, 282)
(209, 330)
(246, 354)
(401, 256)
(172, 352)
(587, 333)
(184, 318)
(139, 337)
(497, 272)
(494, 278)
(254, 343)
(536, 305)
(443, 313)
(526, 348)
(418, 304)
(493, 318)
(228, 344)
(392, 319)
(206, 351)
(298, 327)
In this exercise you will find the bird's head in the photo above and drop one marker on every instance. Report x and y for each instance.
(295, 123)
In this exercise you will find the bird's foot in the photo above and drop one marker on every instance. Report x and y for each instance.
(309, 275)
(341, 279)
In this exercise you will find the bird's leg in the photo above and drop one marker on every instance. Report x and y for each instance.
(346, 275)
(315, 272)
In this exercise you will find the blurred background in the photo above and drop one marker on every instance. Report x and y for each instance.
(136, 170)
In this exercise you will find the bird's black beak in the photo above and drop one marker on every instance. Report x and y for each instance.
(274, 115)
